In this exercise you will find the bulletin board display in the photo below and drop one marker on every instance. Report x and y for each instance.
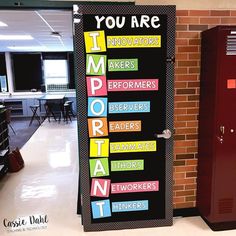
(124, 93)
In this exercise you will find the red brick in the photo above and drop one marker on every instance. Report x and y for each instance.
(185, 169)
(185, 143)
(193, 111)
(181, 28)
(185, 91)
(188, 35)
(180, 111)
(189, 20)
(193, 124)
(191, 162)
(181, 42)
(180, 84)
(193, 84)
(180, 124)
(187, 78)
(181, 71)
(186, 131)
(178, 187)
(181, 56)
(179, 137)
(188, 49)
(198, 27)
(193, 97)
(185, 104)
(182, 13)
(190, 198)
(220, 13)
(190, 186)
(185, 193)
(195, 56)
(185, 181)
(233, 13)
(187, 63)
(180, 98)
(192, 150)
(194, 42)
(184, 205)
(180, 150)
(184, 157)
(230, 20)
(179, 162)
(179, 175)
(191, 136)
(209, 20)
(194, 70)
(179, 199)
(199, 13)
(186, 118)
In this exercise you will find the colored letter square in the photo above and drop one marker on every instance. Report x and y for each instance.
(100, 187)
(96, 64)
(99, 167)
(97, 107)
(99, 147)
(96, 86)
(97, 127)
(95, 41)
(101, 209)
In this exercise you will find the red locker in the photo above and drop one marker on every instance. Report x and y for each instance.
(216, 191)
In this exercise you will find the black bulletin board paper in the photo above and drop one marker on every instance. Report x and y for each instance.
(126, 174)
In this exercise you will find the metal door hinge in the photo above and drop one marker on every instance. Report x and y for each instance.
(170, 60)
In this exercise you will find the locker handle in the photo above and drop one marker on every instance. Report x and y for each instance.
(222, 130)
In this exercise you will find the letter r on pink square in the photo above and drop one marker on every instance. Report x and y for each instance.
(100, 187)
(96, 86)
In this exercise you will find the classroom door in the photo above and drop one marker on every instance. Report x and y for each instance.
(125, 70)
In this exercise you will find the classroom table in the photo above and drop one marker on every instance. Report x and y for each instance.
(50, 100)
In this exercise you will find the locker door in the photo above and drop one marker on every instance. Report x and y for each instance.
(225, 166)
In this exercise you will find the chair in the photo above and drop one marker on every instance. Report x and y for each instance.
(34, 109)
(70, 108)
(67, 112)
(8, 119)
(49, 110)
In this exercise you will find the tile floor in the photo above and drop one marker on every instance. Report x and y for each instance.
(48, 185)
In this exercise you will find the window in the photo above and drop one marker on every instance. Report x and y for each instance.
(27, 68)
(56, 73)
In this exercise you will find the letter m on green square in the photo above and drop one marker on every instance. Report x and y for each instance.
(96, 64)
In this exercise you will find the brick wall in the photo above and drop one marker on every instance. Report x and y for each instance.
(189, 24)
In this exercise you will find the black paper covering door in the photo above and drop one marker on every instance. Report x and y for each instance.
(124, 86)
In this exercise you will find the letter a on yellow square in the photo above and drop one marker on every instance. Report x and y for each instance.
(95, 41)
(99, 147)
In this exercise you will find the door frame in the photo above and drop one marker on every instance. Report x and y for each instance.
(24, 4)
(83, 132)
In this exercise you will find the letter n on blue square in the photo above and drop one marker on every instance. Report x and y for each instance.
(101, 209)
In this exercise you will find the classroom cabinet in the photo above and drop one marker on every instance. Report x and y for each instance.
(4, 143)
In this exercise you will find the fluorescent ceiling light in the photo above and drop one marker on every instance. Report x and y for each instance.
(35, 48)
(2, 24)
(16, 37)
